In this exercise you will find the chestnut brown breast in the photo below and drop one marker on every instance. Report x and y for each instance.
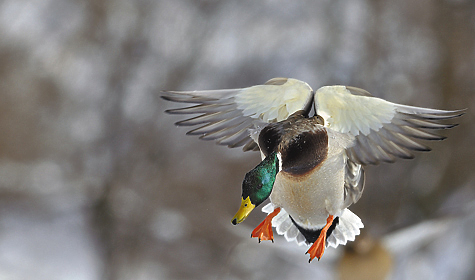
(302, 143)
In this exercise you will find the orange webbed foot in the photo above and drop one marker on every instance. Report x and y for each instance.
(264, 230)
(318, 247)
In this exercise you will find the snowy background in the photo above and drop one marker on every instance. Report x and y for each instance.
(97, 183)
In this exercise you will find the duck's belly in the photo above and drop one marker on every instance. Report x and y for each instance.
(312, 197)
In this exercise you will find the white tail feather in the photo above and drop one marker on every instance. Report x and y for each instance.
(348, 227)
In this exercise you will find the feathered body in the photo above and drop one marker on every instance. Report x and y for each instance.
(321, 139)
(309, 184)
(312, 196)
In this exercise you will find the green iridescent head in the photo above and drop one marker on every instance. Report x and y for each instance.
(257, 186)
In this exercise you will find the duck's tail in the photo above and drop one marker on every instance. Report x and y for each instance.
(347, 229)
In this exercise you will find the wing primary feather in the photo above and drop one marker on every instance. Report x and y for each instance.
(420, 134)
(209, 118)
(385, 145)
(188, 99)
(192, 96)
(237, 142)
(212, 127)
(390, 147)
(411, 132)
(361, 156)
(370, 154)
(225, 132)
(185, 98)
(435, 113)
(435, 116)
(428, 124)
(250, 146)
(234, 135)
(202, 109)
(378, 151)
(402, 140)
(385, 156)
(418, 124)
(432, 114)
(400, 151)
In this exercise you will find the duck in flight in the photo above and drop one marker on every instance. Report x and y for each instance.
(313, 145)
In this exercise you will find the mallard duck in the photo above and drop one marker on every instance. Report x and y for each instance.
(313, 145)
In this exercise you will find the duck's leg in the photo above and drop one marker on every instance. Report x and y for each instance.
(318, 247)
(264, 230)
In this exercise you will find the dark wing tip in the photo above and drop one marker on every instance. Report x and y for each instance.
(462, 111)
(443, 115)
(449, 126)
(406, 156)
(166, 97)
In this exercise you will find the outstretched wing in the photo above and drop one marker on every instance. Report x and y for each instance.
(227, 115)
(383, 130)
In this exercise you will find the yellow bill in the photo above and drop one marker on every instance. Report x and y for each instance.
(244, 210)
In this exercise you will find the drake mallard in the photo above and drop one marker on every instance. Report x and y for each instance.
(313, 145)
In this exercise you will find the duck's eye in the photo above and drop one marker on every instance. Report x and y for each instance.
(245, 205)
(259, 186)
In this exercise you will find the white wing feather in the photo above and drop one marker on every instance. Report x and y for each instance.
(383, 130)
(271, 102)
(348, 113)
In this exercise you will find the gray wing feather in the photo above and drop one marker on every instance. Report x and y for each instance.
(398, 139)
(220, 119)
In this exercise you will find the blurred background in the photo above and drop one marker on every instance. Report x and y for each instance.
(96, 182)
